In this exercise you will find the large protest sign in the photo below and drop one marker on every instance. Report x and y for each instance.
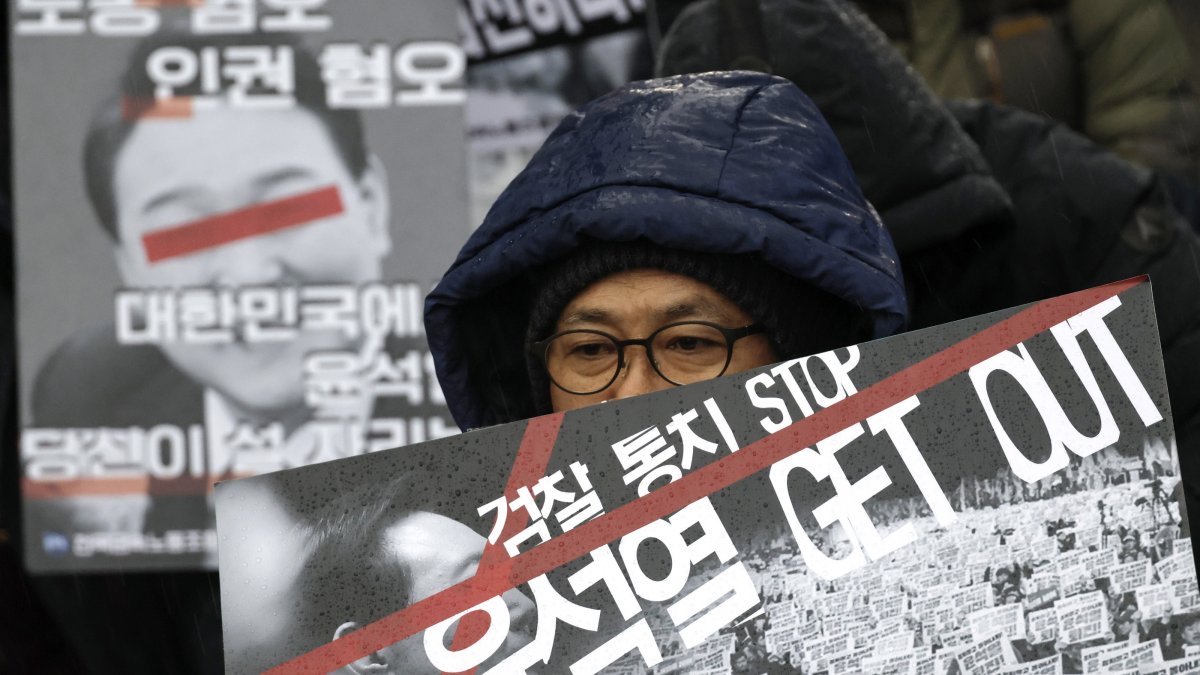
(227, 216)
(824, 513)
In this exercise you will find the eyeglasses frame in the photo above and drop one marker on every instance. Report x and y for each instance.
(541, 348)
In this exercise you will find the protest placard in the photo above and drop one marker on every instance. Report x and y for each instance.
(1043, 625)
(1154, 601)
(1098, 562)
(1130, 575)
(1042, 596)
(492, 31)
(849, 662)
(985, 656)
(893, 642)
(1008, 619)
(897, 664)
(1051, 665)
(818, 652)
(524, 76)
(1132, 656)
(1082, 617)
(1182, 546)
(971, 599)
(717, 661)
(1174, 667)
(256, 307)
(1177, 564)
(1091, 657)
(928, 665)
(608, 573)
(889, 607)
(809, 630)
(1075, 579)
(1184, 597)
(1044, 549)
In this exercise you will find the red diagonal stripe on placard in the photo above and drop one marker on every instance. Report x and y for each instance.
(537, 444)
(243, 223)
(672, 497)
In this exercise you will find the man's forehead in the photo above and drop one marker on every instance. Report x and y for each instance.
(601, 312)
(648, 294)
(221, 147)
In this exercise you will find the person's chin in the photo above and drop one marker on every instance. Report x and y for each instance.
(260, 377)
(276, 360)
(205, 363)
(266, 395)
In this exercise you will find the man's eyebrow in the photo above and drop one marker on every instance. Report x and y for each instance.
(693, 308)
(172, 195)
(260, 183)
(468, 564)
(689, 308)
(281, 175)
(589, 315)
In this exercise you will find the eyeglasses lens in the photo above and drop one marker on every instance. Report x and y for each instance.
(584, 362)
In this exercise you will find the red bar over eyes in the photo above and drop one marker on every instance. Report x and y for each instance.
(243, 223)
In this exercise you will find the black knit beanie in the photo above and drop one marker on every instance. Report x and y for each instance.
(799, 319)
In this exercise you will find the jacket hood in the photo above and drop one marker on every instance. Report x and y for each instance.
(734, 162)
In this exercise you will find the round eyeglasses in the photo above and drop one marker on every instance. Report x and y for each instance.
(588, 361)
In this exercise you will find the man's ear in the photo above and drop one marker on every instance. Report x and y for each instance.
(374, 663)
(127, 263)
(374, 190)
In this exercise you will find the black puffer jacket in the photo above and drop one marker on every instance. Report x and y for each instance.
(989, 207)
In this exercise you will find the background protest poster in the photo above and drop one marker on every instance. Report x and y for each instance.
(227, 217)
(876, 506)
(531, 65)
(495, 30)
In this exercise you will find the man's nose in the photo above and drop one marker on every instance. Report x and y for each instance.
(638, 377)
(250, 262)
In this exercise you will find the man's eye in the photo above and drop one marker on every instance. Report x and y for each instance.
(688, 343)
(592, 349)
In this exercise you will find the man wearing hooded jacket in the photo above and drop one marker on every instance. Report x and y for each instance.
(669, 232)
(721, 198)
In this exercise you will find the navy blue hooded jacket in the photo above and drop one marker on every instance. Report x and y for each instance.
(718, 163)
